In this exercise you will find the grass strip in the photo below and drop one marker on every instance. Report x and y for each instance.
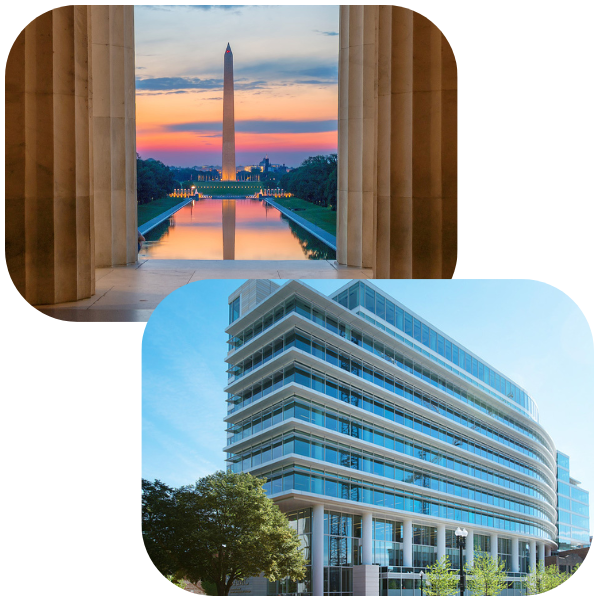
(323, 217)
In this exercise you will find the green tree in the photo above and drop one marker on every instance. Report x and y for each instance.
(223, 528)
(315, 180)
(542, 579)
(154, 180)
(487, 575)
(440, 580)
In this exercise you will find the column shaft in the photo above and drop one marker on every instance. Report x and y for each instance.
(318, 550)
(515, 567)
(397, 170)
(367, 538)
(470, 548)
(440, 541)
(48, 212)
(407, 543)
(113, 141)
(533, 555)
(494, 546)
(541, 554)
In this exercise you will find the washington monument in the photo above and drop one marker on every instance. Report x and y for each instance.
(229, 172)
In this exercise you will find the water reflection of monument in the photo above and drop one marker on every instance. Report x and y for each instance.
(229, 228)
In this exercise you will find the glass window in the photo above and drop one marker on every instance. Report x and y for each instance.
(408, 324)
(303, 343)
(331, 422)
(380, 306)
(318, 450)
(302, 411)
(234, 309)
(332, 388)
(370, 299)
(302, 447)
(332, 356)
(318, 416)
(417, 329)
(332, 325)
(390, 313)
(342, 298)
(353, 297)
(399, 317)
(318, 382)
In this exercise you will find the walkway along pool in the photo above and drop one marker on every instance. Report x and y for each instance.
(244, 229)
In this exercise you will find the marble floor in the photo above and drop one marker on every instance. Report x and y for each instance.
(132, 292)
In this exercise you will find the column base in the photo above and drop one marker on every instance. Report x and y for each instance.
(366, 581)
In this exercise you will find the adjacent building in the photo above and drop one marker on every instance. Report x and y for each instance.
(573, 529)
(379, 436)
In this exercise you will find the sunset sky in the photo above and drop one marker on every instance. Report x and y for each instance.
(285, 70)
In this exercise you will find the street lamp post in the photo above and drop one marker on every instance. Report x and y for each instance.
(461, 534)
(421, 581)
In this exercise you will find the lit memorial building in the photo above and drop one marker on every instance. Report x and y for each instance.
(379, 436)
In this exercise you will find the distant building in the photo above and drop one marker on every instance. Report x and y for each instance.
(566, 561)
(264, 164)
(573, 528)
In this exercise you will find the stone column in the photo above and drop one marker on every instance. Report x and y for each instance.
(356, 159)
(440, 541)
(48, 207)
(318, 549)
(411, 166)
(113, 136)
(494, 546)
(541, 554)
(427, 189)
(407, 543)
(367, 538)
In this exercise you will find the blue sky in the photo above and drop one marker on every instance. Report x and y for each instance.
(529, 331)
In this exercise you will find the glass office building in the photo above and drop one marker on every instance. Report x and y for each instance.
(384, 434)
(572, 508)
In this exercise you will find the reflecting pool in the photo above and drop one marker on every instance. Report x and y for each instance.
(237, 228)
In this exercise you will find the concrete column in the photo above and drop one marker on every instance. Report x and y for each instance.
(470, 547)
(48, 207)
(515, 567)
(440, 541)
(113, 137)
(494, 546)
(533, 555)
(407, 543)
(367, 538)
(318, 549)
(541, 554)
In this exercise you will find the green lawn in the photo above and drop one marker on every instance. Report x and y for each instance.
(156, 207)
(323, 217)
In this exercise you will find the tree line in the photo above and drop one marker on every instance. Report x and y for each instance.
(315, 180)
(154, 180)
(487, 576)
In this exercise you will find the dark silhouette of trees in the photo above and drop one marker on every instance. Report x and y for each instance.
(315, 180)
(154, 180)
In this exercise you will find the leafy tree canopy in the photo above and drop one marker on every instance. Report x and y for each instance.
(486, 575)
(223, 528)
(544, 578)
(440, 580)
(154, 180)
(315, 180)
